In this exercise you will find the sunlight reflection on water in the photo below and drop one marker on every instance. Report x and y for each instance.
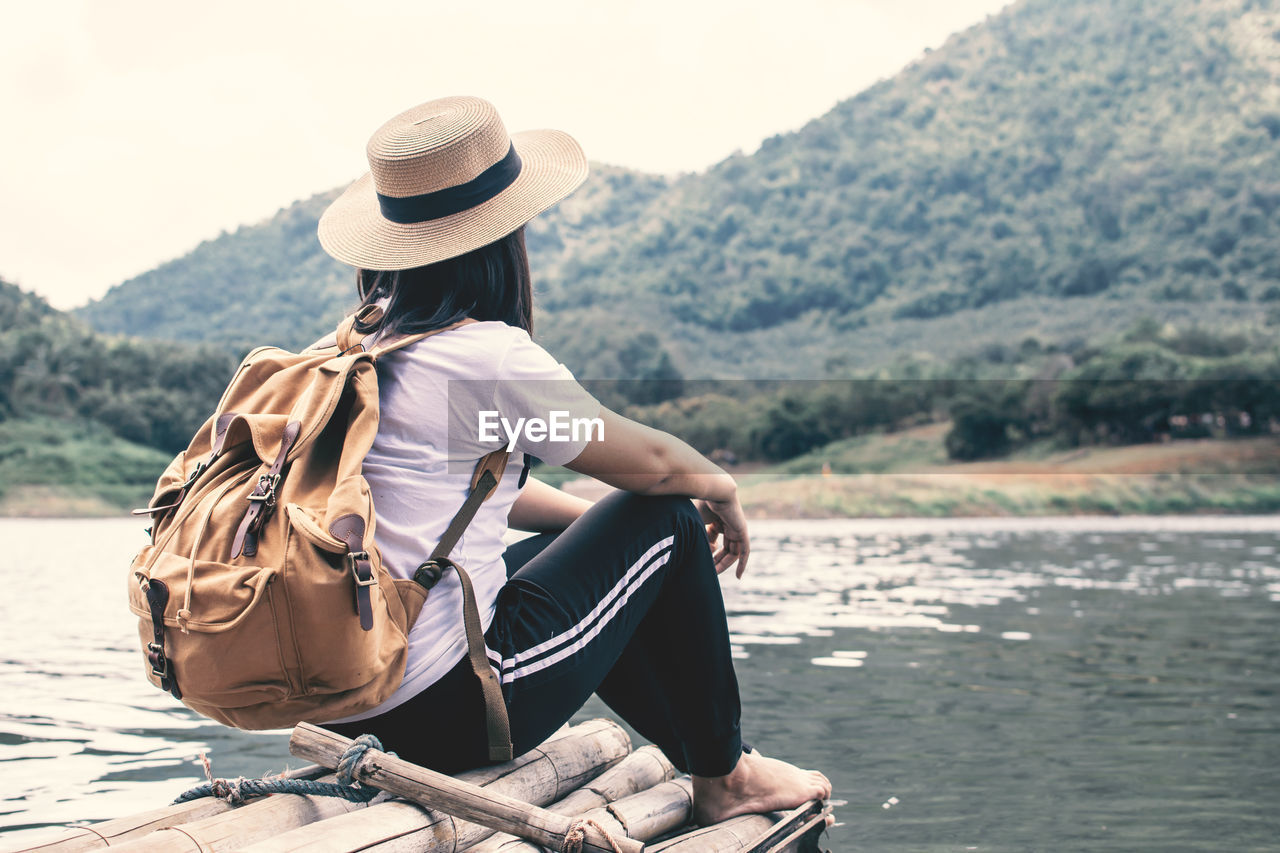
(813, 576)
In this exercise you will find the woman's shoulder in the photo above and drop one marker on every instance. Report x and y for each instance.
(494, 338)
(511, 352)
(483, 347)
(493, 330)
(490, 334)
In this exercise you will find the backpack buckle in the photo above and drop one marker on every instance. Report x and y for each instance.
(200, 468)
(159, 663)
(354, 559)
(428, 574)
(266, 488)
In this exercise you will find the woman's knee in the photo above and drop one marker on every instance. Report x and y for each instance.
(653, 507)
(672, 513)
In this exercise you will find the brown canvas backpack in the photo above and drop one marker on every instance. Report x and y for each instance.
(262, 598)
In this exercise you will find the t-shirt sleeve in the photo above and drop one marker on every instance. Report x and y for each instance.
(559, 416)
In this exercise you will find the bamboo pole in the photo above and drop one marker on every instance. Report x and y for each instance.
(802, 839)
(649, 814)
(112, 833)
(231, 828)
(639, 772)
(548, 773)
(801, 824)
(646, 814)
(77, 839)
(732, 835)
(756, 833)
(228, 830)
(454, 796)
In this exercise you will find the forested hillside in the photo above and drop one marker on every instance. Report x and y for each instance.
(1060, 171)
(88, 420)
(272, 283)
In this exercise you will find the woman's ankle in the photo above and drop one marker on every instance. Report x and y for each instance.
(734, 780)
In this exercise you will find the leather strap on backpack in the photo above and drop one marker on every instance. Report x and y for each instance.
(484, 481)
(350, 529)
(262, 500)
(220, 427)
(157, 595)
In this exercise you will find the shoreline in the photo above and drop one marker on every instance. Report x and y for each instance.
(963, 495)
(903, 475)
(930, 495)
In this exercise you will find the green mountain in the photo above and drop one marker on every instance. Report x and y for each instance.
(272, 283)
(1060, 171)
(87, 420)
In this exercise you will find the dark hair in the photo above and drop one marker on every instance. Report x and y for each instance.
(489, 283)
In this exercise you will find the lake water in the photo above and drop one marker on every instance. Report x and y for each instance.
(967, 685)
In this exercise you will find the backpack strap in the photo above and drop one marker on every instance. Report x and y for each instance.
(346, 337)
(263, 498)
(220, 428)
(396, 343)
(495, 706)
(350, 529)
(157, 595)
(483, 484)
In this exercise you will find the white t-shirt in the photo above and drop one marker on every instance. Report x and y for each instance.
(431, 396)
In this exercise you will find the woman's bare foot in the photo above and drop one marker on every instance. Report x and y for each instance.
(757, 784)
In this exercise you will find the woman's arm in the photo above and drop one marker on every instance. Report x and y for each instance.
(541, 508)
(640, 459)
(636, 458)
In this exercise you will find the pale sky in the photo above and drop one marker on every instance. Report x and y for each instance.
(134, 129)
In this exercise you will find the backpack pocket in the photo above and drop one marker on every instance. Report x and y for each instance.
(220, 632)
(413, 596)
(328, 651)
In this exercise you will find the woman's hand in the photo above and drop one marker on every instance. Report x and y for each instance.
(726, 519)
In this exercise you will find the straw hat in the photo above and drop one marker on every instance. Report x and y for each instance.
(445, 179)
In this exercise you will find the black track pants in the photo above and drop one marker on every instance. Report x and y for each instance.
(624, 603)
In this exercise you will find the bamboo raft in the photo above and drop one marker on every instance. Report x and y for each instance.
(585, 789)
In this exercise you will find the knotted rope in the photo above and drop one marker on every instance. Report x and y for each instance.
(238, 790)
(351, 758)
(577, 836)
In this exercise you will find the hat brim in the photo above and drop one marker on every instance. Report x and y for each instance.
(354, 231)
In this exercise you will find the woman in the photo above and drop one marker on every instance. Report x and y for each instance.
(620, 598)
